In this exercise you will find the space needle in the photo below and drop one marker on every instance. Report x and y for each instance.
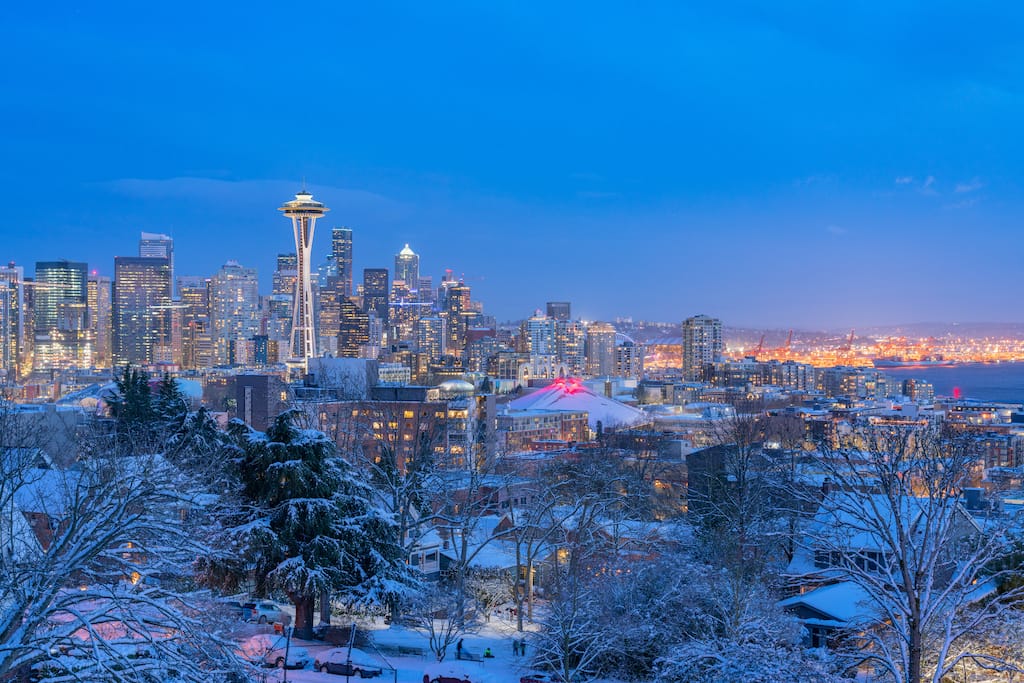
(303, 211)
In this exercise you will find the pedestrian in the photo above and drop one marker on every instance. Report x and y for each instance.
(522, 647)
(515, 647)
(487, 653)
(458, 649)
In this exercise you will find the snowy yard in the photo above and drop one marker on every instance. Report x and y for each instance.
(497, 635)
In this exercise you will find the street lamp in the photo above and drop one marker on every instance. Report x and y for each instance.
(287, 646)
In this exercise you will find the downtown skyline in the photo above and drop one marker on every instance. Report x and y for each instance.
(823, 171)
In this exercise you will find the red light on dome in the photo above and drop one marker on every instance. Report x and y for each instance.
(568, 385)
(957, 394)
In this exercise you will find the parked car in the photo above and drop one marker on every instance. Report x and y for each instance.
(265, 649)
(340, 661)
(238, 609)
(448, 672)
(541, 677)
(266, 612)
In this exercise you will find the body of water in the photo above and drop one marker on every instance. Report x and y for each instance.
(1002, 382)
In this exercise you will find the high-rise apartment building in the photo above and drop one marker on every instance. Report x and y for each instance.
(457, 312)
(541, 335)
(234, 309)
(99, 318)
(702, 344)
(407, 268)
(570, 346)
(600, 349)
(141, 309)
(341, 249)
(61, 316)
(12, 319)
(376, 293)
(559, 310)
(303, 212)
(629, 360)
(430, 336)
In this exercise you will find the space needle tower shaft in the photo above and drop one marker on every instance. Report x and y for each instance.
(303, 212)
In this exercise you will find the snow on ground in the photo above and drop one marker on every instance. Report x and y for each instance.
(497, 635)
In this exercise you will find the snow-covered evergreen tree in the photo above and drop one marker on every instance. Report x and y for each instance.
(305, 524)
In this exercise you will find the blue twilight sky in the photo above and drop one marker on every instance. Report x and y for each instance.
(776, 163)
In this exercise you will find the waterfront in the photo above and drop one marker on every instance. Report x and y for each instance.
(982, 381)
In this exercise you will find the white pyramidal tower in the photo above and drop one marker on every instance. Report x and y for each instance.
(303, 211)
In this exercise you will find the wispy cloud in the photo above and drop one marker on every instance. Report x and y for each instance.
(814, 179)
(592, 194)
(835, 230)
(928, 186)
(969, 186)
(904, 179)
(963, 204)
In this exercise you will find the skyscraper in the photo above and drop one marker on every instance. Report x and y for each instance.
(234, 309)
(341, 248)
(99, 317)
(407, 268)
(702, 344)
(303, 212)
(376, 293)
(197, 348)
(353, 330)
(61, 315)
(560, 310)
(12, 320)
(155, 245)
(141, 310)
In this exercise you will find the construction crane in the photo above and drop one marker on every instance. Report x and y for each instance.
(848, 346)
(760, 347)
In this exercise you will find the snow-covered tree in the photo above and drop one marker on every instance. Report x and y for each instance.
(933, 574)
(94, 581)
(736, 494)
(305, 524)
(439, 613)
(489, 588)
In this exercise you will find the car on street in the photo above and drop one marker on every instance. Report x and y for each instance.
(265, 649)
(266, 612)
(340, 661)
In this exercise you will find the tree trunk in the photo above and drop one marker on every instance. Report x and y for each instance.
(303, 615)
(916, 650)
(325, 607)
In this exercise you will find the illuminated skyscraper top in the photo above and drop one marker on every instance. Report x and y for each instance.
(407, 268)
(303, 212)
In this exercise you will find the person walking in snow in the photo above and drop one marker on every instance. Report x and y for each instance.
(515, 647)
(458, 649)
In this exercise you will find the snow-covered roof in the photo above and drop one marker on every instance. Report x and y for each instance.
(571, 394)
(843, 603)
(856, 521)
